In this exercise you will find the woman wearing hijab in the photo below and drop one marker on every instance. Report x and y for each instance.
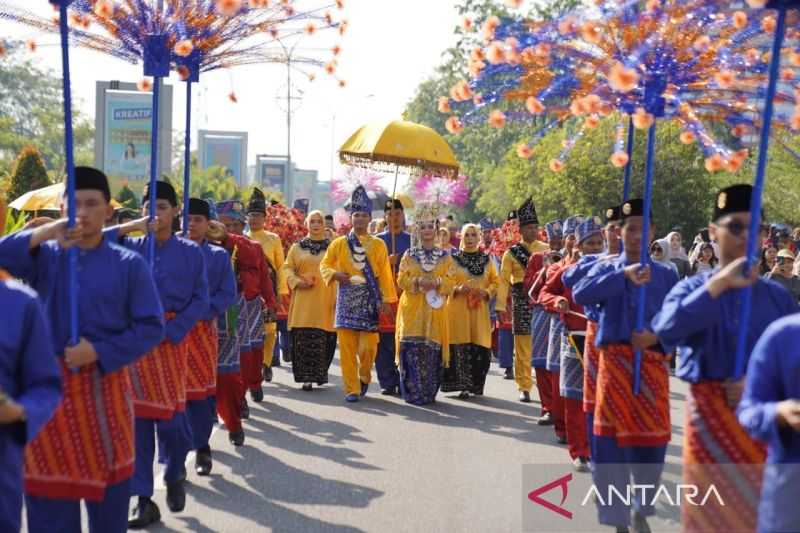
(706, 259)
(660, 253)
(422, 339)
(677, 254)
(475, 283)
(312, 307)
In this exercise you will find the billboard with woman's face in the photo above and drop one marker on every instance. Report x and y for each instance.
(127, 135)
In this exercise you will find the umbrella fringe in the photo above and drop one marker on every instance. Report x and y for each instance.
(387, 163)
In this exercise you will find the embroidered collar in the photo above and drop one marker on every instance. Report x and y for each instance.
(521, 254)
(314, 247)
(473, 262)
(357, 251)
(428, 259)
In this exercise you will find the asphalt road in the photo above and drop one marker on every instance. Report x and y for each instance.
(313, 463)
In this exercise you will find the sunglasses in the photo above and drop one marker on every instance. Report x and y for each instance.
(735, 227)
(657, 249)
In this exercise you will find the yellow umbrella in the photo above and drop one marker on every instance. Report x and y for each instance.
(46, 198)
(406, 200)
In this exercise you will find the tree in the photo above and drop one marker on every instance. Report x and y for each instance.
(127, 198)
(28, 173)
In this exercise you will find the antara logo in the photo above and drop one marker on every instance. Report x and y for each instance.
(535, 496)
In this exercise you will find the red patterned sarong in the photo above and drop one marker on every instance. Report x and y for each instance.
(641, 420)
(386, 322)
(718, 451)
(158, 380)
(591, 356)
(88, 444)
(203, 347)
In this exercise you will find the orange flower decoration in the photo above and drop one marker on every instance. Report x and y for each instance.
(715, 163)
(454, 125)
(567, 26)
(524, 151)
(342, 84)
(725, 78)
(229, 7)
(739, 130)
(2, 49)
(477, 99)
(311, 28)
(652, 5)
(514, 4)
(330, 68)
(489, 27)
(619, 159)
(702, 43)
(104, 9)
(184, 48)
(756, 4)
(534, 106)
(144, 85)
(787, 74)
(497, 119)
(476, 67)
(739, 20)
(340, 4)
(795, 122)
(591, 33)
(556, 165)
(593, 103)
(622, 79)
(687, 137)
(232, 97)
(477, 54)
(495, 53)
(642, 119)
(183, 72)
(336, 50)
(467, 24)
(444, 104)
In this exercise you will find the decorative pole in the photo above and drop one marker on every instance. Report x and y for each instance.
(626, 188)
(193, 65)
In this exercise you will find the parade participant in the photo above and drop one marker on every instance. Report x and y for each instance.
(312, 308)
(30, 389)
(700, 316)
(630, 430)
(359, 263)
(256, 298)
(540, 318)
(487, 226)
(512, 273)
(203, 339)
(159, 378)
(273, 251)
(86, 451)
(770, 412)
(423, 342)
(397, 241)
(555, 296)
(474, 279)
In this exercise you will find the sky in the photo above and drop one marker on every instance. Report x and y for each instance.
(390, 47)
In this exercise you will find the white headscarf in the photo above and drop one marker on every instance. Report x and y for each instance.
(665, 254)
(680, 253)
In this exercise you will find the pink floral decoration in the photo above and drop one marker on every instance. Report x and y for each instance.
(436, 190)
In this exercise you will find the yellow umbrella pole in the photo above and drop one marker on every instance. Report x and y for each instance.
(391, 211)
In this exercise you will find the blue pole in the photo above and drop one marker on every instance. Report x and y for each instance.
(758, 189)
(72, 254)
(151, 246)
(626, 189)
(644, 255)
(187, 159)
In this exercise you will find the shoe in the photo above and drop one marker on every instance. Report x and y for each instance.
(245, 410)
(307, 386)
(257, 395)
(351, 398)
(236, 437)
(176, 496)
(266, 372)
(143, 514)
(640, 524)
(509, 373)
(202, 462)
(525, 397)
(580, 464)
(287, 357)
(545, 420)
(562, 440)
(477, 392)
(391, 391)
(364, 389)
(623, 530)
(463, 395)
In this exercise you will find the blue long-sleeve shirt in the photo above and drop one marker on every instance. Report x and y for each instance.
(606, 286)
(119, 312)
(706, 330)
(577, 272)
(221, 280)
(179, 271)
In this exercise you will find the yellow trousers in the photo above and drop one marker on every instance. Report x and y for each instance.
(357, 352)
(523, 373)
(270, 337)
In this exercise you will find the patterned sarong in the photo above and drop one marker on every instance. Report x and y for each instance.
(540, 329)
(88, 444)
(718, 451)
(590, 363)
(203, 347)
(641, 420)
(312, 354)
(571, 372)
(228, 332)
(158, 380)
(420, 371)
(521, 315)
(250, 326)
(554, 343)
(469, 364)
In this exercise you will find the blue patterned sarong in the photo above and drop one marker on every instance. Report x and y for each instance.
(357, 305)
(420, 371)
(540, 328)
(554, 344)
(229, 327)
(570, 381)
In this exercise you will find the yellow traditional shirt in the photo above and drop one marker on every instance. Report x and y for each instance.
(469, 319)
(273, 251)
(314, 307)
(338, 259)
(416, 319)
(512, 272)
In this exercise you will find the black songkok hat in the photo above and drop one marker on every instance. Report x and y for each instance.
(527, 213)
(733, 199)
(199, 207)
(88, 178)
(512, 215)
(398, 205)
(164, 191)
(613, 214)
(257, 203)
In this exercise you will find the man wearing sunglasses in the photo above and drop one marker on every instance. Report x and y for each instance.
(701, 317)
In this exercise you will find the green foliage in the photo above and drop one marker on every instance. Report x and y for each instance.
(28, 173)
(15, 220)
(127, 198)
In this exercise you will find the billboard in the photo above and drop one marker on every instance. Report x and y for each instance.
(272, 174)
(226, 149)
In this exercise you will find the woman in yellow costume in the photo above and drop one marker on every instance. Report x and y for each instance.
(422, 339)
(475, 283)
(312, 307)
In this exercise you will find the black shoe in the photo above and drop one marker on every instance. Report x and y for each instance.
(257, 395)
(391, 391)
(623, 530)
(245, 410)
(545, 420)
(364, 389)
(308, 386)
(562, 440)
(640, 524)
(509, 373)
(525, 397)
(236, 437)
(176, 496)
(143, 514)
(266, 372)
(463, 395)
(202, 462)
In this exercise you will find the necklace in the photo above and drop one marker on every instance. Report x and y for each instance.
(427, 259)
